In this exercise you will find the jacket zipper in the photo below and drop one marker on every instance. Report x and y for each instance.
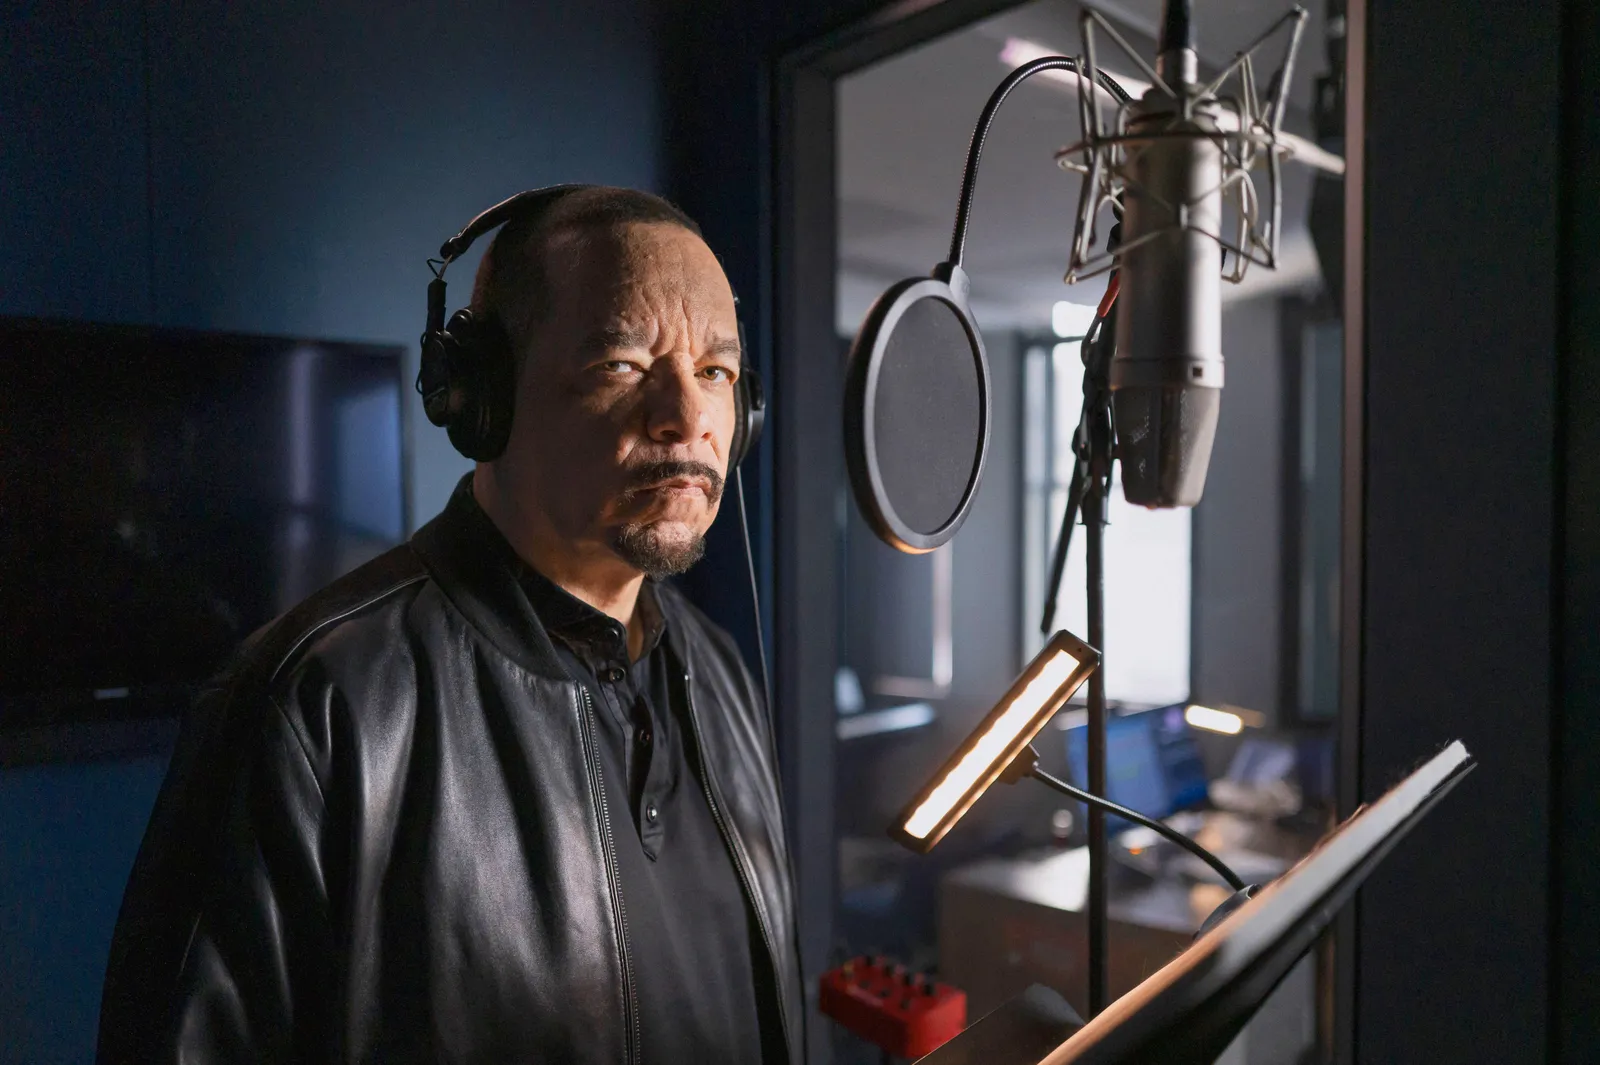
(741, 863)
(630, 993)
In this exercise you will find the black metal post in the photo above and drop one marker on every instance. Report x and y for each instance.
(1094, 531)
(1096, 447)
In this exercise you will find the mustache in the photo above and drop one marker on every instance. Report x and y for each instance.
(651, 474)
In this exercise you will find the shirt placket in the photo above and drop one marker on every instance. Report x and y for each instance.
(625, 698)
(652, 745)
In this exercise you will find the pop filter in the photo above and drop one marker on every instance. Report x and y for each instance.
(916, 411)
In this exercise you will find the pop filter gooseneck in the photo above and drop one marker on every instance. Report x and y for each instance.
(916, 405)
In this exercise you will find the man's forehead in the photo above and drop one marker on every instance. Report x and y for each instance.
(630, 288)
(636, 288)
(644, 256)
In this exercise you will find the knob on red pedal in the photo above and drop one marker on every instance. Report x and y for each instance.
(906, 1014)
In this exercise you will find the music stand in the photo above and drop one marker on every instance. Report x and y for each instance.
(1188, 1011)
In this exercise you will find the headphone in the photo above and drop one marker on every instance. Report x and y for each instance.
(467, 378)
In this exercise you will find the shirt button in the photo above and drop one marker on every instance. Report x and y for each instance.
(612, 675)
(652, 814)
(644, 737)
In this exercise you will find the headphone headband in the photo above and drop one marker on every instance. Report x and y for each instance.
(452, 249)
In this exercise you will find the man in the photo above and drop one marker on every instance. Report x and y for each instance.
(500, 795)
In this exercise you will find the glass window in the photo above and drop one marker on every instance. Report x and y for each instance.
(1147, 552)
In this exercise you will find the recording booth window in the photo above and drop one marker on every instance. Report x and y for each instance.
(1148, 574)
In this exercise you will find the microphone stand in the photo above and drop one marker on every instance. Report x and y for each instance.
(1094, 445)
(1097, 484)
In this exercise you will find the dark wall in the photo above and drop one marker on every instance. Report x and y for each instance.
(280, 168)
(67, 840)
(1461, 356)
(1576, 840)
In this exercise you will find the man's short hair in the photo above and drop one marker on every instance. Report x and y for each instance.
(513, 281)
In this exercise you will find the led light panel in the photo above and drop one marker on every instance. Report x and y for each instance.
(1044, 686)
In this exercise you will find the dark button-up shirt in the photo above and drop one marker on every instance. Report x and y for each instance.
(689, 926)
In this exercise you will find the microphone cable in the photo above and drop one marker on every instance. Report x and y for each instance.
(755, 601)
(1026, 764)
(772, 713)
(1093, 348)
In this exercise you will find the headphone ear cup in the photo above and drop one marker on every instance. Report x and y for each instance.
(433, 376)
(750, 413)
(482, 385)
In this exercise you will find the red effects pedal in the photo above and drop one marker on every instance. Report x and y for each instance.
(906, 1014)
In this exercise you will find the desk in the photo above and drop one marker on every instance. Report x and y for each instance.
(1008, 923)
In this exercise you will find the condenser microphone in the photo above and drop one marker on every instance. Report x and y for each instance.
(1170, 162)
(1166, 376)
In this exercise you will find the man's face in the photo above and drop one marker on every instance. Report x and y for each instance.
(625, 400)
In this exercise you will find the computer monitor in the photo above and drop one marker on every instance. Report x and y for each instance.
(1152, 763)
(163, 493)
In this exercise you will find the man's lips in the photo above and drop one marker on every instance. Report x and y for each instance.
(658, 483)
(677, 485)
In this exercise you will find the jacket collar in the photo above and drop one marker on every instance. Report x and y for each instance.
(482, 576)
(477, 571)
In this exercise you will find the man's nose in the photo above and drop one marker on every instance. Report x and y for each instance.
(675, 408)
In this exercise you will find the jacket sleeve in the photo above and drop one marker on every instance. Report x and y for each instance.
(255, 980)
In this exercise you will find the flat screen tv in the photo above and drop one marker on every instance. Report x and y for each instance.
(163, 493)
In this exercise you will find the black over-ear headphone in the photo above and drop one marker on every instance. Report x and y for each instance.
(467, 378)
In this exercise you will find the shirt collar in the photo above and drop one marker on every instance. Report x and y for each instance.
(581, 626)
(565, 616)
(559, 612)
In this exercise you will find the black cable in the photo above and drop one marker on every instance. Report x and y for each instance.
(766, 690)
(958, 239)
(755, 602)
(1096, 351)
(1058, 564)
(1075, 488)
(1166, 831)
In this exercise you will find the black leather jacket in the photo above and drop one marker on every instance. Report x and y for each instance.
(382, 836)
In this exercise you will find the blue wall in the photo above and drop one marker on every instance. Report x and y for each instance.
(279, 169)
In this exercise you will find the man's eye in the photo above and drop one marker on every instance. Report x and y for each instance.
(618, 366)
(718, 373)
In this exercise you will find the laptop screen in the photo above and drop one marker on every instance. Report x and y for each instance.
(1152, 764)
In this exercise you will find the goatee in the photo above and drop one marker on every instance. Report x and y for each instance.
(640, 545)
